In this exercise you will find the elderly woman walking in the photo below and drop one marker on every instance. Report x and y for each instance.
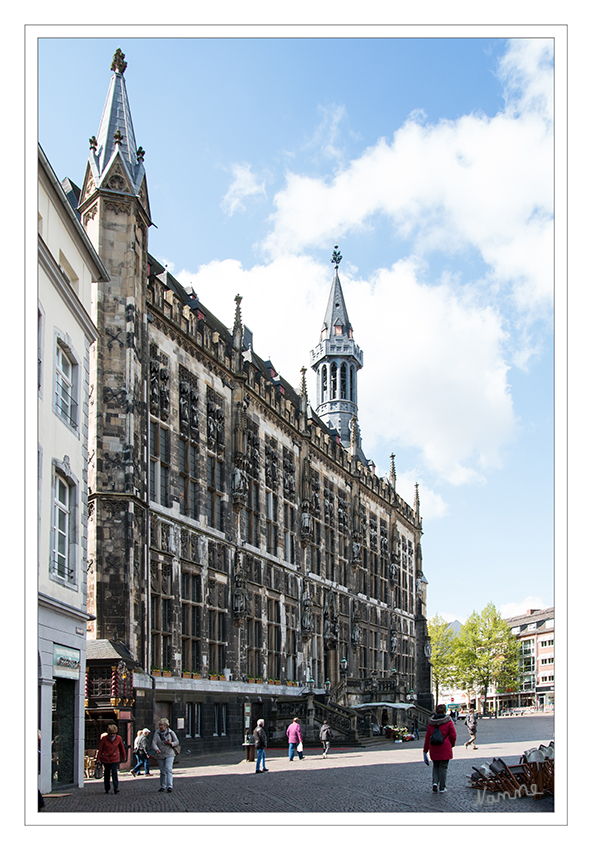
(165, 745)
(111, 752)
(294, 733)
(141, 753)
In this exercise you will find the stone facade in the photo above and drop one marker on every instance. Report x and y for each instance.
(232, 533)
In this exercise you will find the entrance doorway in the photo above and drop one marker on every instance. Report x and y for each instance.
(62, 731)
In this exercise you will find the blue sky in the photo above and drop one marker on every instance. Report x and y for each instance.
(430, 162)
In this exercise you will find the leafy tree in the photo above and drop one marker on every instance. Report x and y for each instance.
(442, 639)
(486, 653)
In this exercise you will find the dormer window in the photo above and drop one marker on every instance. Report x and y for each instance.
(338, 329)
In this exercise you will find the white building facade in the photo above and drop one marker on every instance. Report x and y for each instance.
(68, 266)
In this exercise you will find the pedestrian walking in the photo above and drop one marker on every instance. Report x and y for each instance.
(439, 740)
(111, 753)
(471, 724)
(141, 753)
(326, 736)
(294, 733)
(415, 729)
(260, 744)
(165, 745)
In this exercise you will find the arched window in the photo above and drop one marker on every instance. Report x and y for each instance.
(352, 384)
(343, 380)
(324, 384)
(333, 380)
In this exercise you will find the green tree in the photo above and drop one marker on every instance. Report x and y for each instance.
(486, 653)
(442, 639)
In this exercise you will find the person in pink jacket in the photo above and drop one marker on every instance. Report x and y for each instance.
(294, 733)
(440, 753)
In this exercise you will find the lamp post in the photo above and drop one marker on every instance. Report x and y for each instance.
(311, 684)
(343, 666)
(327, 686)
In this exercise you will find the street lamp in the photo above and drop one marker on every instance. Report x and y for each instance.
(343, 666)
(311, 685)
(327, 686)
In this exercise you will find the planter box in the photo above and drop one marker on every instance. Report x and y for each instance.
(196, 675)
(213, 678)
(221, 678)
(166, 673)
(187, 675)
(155, 672)
(251, 680)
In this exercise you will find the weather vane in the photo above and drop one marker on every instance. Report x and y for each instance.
(336, 258)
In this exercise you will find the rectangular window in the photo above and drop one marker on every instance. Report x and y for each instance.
(219, 718)
(62, 565)
(160, 462)
(193, 719)
(65, 387)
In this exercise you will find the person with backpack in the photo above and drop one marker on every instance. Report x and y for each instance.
(141, 753)
(439, 740)
(326, 736)
(471, 724)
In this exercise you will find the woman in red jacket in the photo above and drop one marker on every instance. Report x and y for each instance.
(111, 752)
(440, 753)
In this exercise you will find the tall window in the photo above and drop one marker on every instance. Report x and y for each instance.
(333, 380)
(65, 387)
(215, 505)
(193, 719)
(161, 615)
(272, 522)
(254, 639)
(62, 557)
(291, 642)
(191, 621)
(217, 629)
(160, 463)
(220, 718)
(274, 639)
(188, 471)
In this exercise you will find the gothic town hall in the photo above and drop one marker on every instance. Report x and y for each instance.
(243, 560)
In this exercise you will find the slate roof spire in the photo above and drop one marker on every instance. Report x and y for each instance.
(336, 312)
(116, 132)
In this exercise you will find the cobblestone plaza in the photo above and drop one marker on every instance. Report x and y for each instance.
(383, 777)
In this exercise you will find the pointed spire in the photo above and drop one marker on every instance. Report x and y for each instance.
(238, 323)
(336, 319)
(115, 135)
(393, 474)
(303, 390)
(416, 503)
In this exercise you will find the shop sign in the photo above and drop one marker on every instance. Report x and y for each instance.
(66, 662)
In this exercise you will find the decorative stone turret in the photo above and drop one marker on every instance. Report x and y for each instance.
(336, 361)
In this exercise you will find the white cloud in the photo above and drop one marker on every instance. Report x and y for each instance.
(436, 354)
(478, 182)
(515, 609)
(244, 185)
(435, 377)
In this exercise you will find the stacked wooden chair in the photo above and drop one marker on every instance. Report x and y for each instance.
(533, 776)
